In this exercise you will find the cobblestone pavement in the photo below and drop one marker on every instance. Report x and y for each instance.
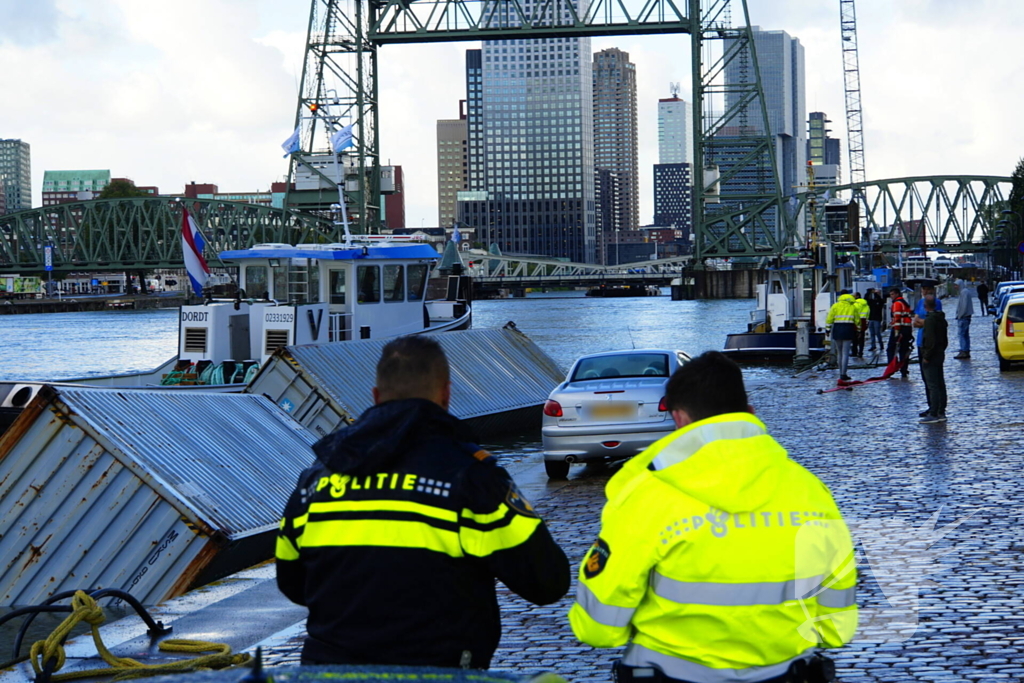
(936, 605)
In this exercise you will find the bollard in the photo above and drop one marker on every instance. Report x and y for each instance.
(803, 342)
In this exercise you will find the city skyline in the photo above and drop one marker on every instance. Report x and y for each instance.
(212, 102)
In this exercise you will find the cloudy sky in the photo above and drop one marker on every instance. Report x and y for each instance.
(205, 90)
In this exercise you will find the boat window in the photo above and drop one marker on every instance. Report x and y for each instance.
(632, 365)
(417, 281)
(394, 283)
(256, 281)
(337, 293)
(281, 283)
(369, 284)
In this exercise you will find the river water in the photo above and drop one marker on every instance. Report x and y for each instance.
(57, 346)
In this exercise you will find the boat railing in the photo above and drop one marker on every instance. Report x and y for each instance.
(340, 326)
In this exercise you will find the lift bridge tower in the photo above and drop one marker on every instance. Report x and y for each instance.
(739, 208)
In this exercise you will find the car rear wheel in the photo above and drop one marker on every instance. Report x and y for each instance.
(1004, 364)
(556, 469)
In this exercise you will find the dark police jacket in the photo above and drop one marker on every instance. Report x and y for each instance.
(395, 537)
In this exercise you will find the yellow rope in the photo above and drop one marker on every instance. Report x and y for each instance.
(84, 608)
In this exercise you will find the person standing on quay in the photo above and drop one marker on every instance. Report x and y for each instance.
(983, 297)
(933, 349)
(863, 311)
(901, 332)
(842, 324)
(876, 307)
(964, 311)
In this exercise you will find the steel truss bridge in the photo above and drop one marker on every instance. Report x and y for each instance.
(144, 233)
(490, 271)
(953, 213)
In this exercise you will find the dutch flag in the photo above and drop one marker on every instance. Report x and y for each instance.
(192, 248)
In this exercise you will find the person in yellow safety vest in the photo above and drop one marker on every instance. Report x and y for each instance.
(863, 311)
(719, 559)
(841, 323)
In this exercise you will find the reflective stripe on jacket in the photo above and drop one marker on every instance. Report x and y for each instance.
(843, 311)
(900, 314)
(719, 557)
(395, 537)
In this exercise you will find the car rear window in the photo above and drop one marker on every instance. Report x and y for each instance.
(634, 365)
(1015, 313)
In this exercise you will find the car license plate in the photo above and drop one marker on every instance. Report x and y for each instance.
(613, 411)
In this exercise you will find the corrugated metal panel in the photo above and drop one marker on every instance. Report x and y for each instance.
(223, 455)
(493, 371)
(137, 490)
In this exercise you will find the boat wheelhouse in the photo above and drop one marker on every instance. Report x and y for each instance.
(792, 304)
(305, 294)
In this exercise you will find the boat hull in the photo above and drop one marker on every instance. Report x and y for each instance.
(769, 347)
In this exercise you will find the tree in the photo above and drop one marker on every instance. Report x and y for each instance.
(121, 188)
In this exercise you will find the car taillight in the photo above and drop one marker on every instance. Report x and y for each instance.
(552, 408)
(1009, 326)
(662, 408)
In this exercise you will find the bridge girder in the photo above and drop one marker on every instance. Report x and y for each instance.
(955, 213)
(117, 234)
(404, 21)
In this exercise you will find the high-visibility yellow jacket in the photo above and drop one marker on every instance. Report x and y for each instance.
(863, 310)
(719, 559)
(843, 311)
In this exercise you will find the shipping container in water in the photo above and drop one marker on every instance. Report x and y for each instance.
(152, 492)
(500, 380)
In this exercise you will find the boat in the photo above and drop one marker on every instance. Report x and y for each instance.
(788, 320)
(364, 288)
(624, 290)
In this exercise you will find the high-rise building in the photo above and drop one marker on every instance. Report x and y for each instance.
(615, 142)
(822, 150)
(531, 147)
(16, 174)
(673, 176)
(780, 58)
(674, 130)
(63, 187)
(452, 165)
(393, 216)
(673, 196)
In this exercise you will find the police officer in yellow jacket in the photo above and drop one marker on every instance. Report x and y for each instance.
(863, 311)
(720, 559)
(395, 537)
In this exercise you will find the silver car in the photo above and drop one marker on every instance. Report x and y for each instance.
(610, 407)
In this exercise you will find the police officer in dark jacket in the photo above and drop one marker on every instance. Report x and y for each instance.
(395, 537)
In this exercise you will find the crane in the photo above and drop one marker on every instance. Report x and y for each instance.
(851, 81)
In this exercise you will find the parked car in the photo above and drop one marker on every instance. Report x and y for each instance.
(1010, 332)
(1001, 297)
(611, 406)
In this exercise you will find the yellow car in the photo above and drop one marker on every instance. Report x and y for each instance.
(1010, 333)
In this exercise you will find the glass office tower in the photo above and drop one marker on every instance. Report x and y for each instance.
(531, 151)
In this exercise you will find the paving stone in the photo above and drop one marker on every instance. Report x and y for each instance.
(942, 606)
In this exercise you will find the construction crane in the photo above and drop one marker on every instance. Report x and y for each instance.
(851, 80)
